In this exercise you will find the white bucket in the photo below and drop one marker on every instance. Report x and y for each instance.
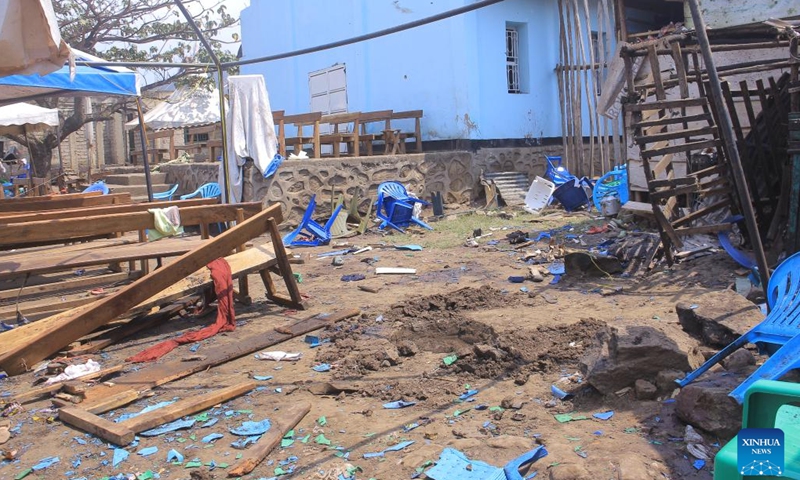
(610, 205)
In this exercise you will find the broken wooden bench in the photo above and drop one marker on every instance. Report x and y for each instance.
(25, 346)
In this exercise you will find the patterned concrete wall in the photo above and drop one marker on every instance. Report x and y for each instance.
(456, 174)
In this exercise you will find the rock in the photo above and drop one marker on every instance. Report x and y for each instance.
(665, 380)
(407, 348)
(386, 364)
(507, 402)
(517, 405)
(486, 351)
(739, 360)
(718, 318)
(582, 264)
(390, 354)
(337, 261)
(637, 352)
(645, 390)
(570, 471)
(706, 405)
(518, 417)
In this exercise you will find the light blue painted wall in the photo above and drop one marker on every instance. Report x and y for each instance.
(454, 69)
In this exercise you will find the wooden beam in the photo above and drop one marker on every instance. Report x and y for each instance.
(673, 119)
(666, 104)
(82, 322)
(102, 210)
(110, 431)
(82, 227)
(158, 374)
(67, 285)
(257, 453)
(685, 147)
(38, 392)
(38, 204)
(675, 135)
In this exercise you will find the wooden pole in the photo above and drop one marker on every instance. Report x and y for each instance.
(143, 134)
(726, 132)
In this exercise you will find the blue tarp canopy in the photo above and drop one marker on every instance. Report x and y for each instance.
(89, 81)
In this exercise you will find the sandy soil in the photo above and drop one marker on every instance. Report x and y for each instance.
(511, 346)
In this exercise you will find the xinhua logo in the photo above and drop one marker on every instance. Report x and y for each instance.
(760, 452)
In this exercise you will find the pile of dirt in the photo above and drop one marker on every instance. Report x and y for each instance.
(439, 324)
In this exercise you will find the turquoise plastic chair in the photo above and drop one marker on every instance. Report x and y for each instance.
(209, 190)
(778, 335)
(396, 207)
(98, 187)
(167, 195)
(767, 404)
(614, 182)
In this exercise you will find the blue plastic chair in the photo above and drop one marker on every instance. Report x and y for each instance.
(167, 195)
(98, 187)
(209, 190)
(312, 233)
(778, 335)
(614, 182)
(396, 207)
(557, 173)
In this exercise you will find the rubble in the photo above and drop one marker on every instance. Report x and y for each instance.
(718, 318)
(705, 404)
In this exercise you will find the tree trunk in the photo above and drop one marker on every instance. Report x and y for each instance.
(41, 152)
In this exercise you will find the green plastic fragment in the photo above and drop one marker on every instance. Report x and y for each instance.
(145, 476)
(321, 440)
(193, 465)
(496, 409)
(322, 421)
(450, 359)
(238, 456)
(279, 471)
(203, 417)
(306, 438)
(286, 442)
(23, 474)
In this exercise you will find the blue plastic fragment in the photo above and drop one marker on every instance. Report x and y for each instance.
(454, 465)
(555, 280)
(194, 347)
(120, 456)
(393, 448)
(699, 464)
(604, 415)
(242, 443)
(312, 341)
(467, 394)
(598, 432)
(147, 451)
(516, 279)
(557, 268)
(76, 463)
(174, 455)
(170, 427)
(128, 416)
(669, 400)
(354, 277)
(413, 248)
(44, 463)
(210, 423)
(482, 406)
(558, 393)
(398, 404)
(211, 437)
(249, 429)
(322, 367)
(79, 440)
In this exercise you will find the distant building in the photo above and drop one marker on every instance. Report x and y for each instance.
(484, 75)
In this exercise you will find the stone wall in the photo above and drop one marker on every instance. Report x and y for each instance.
(454, 173)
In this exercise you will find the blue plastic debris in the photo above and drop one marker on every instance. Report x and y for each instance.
(322, 367)
(174, 455)
(557, 268)
(120, 456)
(398, 404)
(482, 406)
(147, 451)
(669, 400)
(467, 394)
(493, 242)
(393, 448)
(45, 462)
(353, 277)
(598, 432)
(555, 280)
(76, 463)
(128, 416)
(699, 464)
(516, 279)
(170, 427)
(454, 465)
(312, 341)
(558, 393)
(413, 248)
(249, 429)
(79, 440)
(210, 423)
(242, 443)
(211, 437)
(604, 415)
(194, 347)
(410, 426)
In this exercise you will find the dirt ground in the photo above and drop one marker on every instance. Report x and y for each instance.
(512, 342)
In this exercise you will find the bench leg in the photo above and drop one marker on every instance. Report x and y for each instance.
(284, 269)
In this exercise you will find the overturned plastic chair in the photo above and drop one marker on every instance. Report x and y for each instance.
(166, 195)
(98, 187)
(614, 182)
(767, 404)
(557, 173)
(209, 190)
(312, 233)
(396, 207)
(777, 335)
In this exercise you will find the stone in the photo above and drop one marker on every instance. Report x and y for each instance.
(570, 471)
(407, 348)
(582, 264)
(507, 402)
(485, 351)
(629, 353)
(665, 380)
(338, 261)
(718, 318)
(706, 405)
(739, 360)
(390, 354)
(645, 390)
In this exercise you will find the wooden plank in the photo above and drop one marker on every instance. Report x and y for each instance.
(166, 247)
(674, 192)
(663, 164)
(38, 204)
(187, 406)
(68, 285)
(115, 433)
(701, 213)
(38, 392)
(257, 453)
(102, 210)
(74, 326)
(249, 261)
(686, 231)
(655, 68)
(159, 374)
(675, 182)
(673, 119)
(674, 135)
(81, 227)
(666, 104)
(45, 305)
(680, 68)
(686, 147)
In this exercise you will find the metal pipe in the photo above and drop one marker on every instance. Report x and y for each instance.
(726, 131)
(144, 64)
(368, 36)
(143, 134)
(220, 76)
